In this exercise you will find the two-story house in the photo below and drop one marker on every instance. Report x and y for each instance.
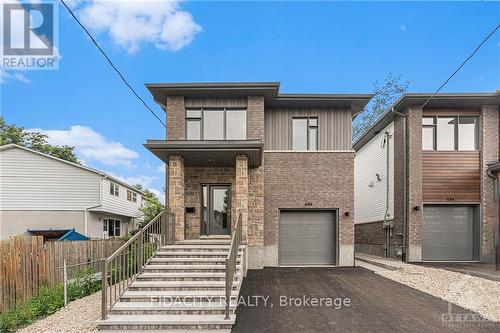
(41, 192)
(286, 160)
(425, 179)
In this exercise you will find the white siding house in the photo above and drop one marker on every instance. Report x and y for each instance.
(370, 179)
(38, 191)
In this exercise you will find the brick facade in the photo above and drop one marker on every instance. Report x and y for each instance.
(241, 190)
(489, 154)
(301, 180)
(176, 193)
(176, 118)
(255, 106)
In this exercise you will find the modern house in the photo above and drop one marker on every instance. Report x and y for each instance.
(425, 179)
(286, 160)
(41, 192)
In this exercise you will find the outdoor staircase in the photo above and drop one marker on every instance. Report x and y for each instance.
(180, 289)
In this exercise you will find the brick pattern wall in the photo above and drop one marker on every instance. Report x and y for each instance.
(241, 189)
(256, 207)
(326, 180)
(255, 117)
(195, 177)
(489, 154)
(415, 221)
(176, 193)
(176, 118)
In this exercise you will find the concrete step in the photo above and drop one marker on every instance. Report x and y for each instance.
(225, 241)
(178, 285)
(189, 261)
(157, 268)
(166, 308)
(165, 322)
(197, 247)
(201, 254)
(162, 297)
(197, 276)
(169, 331)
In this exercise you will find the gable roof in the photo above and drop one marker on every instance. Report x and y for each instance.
(269, 90)
(443, 100)
(100, 173)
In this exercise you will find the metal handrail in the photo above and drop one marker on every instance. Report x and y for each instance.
(231, 260)
(121, 268)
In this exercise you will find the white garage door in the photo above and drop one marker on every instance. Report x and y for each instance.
(307, 237)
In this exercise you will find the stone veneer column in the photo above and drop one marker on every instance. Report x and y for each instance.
(176, 193)
(242, 191)
(176, 118)
(414, 136)
(489, 154)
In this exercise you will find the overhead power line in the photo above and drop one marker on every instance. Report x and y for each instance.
(461, 65)
(112, 65)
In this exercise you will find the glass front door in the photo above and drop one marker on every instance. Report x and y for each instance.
(216, 210)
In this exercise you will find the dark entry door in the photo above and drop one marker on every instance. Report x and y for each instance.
(217, 209)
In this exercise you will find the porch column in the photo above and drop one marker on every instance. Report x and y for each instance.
(176, 193)
(242, 191)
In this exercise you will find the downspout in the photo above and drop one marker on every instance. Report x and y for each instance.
(497, 197)
(405, 180)
(387, 225)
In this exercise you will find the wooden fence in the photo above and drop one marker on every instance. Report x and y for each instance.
(27, 263)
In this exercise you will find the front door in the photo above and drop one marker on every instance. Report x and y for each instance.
(216, 210)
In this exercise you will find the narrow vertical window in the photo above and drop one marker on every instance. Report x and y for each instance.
(428, 133)
(468, 133)
(236, 124)
(445, 133)
(305, 133)
(193, 125)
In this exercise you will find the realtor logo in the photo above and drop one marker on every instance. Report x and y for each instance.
(29, 35)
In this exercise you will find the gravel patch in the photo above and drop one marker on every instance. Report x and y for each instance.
(470, 292)
(78, 316)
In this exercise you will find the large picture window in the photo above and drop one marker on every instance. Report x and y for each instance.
(216, 124)
(450, 133)
(305, 133)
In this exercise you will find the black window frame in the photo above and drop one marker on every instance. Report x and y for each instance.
(224, 126)
(455, 132)
(308, 127)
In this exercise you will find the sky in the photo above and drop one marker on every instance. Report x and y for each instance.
(310, 47)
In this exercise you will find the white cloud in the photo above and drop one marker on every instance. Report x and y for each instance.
(129, 24)
(91, 145)
(402, 27)
(13, 76)
(144, 180)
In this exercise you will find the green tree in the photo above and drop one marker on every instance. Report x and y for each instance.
(152, 205)
(385, 95)
(34, 140)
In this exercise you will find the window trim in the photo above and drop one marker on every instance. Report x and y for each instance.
(308, 127)
(224, 129)
(116, 191)
(106, 228)
(455, 132)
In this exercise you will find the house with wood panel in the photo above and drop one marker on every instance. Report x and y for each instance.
(42, 192)
(425, 182)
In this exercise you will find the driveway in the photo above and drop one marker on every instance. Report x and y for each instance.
(297, 300)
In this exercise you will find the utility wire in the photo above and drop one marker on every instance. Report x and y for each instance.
(461, 65)
(112, 65)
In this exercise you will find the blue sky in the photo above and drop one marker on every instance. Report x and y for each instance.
(334, 47)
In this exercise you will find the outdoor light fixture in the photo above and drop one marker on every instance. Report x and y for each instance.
(416, 208)
(347, 214)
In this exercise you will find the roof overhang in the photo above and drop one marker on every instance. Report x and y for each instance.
(269, 90)
(208, 153)
(463, 101)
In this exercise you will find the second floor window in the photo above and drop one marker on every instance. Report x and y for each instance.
(131, 196)
(450, 133)
(113, 189)
(305, 133)
(216, 124)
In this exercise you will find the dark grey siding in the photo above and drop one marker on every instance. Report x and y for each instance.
(334, 128)
(307, 237)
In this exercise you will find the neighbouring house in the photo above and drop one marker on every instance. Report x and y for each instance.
(286, 160)
(423, 190)
(40, 192)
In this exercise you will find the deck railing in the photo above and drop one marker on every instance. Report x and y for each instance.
(121, 268)
(232, 260)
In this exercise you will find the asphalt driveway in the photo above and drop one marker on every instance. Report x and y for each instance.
(341, 300)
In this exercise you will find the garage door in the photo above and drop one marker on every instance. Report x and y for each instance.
(448, 233)
(307, 237)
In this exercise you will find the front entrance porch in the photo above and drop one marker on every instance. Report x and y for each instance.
(209, 182)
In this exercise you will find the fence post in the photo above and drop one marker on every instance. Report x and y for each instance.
(65, 279)
(104, 283)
